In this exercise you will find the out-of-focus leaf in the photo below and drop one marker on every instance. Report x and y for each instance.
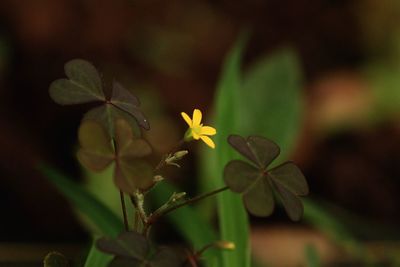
(97, 258)
(55, 259)
(133, 249)
(270, 103)
(255, 183)
(99, 215)
(312, 256)
(168, 257)
(96, 149)
(128, 244)
(105, 220)
(233, 219)
(84, 84)
(97, 153)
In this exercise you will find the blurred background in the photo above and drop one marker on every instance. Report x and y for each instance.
(170, 54)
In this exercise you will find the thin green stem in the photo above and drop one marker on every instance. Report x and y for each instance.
(165, 211)
(123, 206)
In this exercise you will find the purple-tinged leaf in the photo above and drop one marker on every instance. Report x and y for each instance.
(291, 203)
(96, 151)
(83, 86)
(129, 103)
(259, 150)
(107, 115)
(259, 199)
(290, 176)
(240, 175)
(128, 245)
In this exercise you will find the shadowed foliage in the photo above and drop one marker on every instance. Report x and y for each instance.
(84, 85)
(257, 184)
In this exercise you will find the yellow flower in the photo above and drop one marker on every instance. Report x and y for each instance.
(197, 130)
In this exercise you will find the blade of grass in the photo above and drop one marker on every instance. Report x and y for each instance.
(99, 215)
(233, 220)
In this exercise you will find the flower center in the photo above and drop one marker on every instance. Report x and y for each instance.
(197, 129)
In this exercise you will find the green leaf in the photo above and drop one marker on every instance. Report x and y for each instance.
(55, 259)
(312, 256)
(84, 84)
(106, 221)
(270, 100)
(97, 258)
(233, 220)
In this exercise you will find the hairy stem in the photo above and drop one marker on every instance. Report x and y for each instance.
(162, 162)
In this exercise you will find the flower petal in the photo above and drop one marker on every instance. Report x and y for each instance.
(186, 118)
(208, 141)
(195, 135)
(196, 117)
(208, 130)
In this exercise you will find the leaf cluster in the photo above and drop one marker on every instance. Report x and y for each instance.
(84, 85)
(258, 184)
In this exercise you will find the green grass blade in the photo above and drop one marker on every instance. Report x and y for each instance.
(106, 221)
(233, 220)
(97, 258)
(271, 103)
(312, 256)
(99, 215)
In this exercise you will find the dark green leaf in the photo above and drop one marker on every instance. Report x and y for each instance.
(127, 102)
(105, 220)
(84, 84)
(259, 199)
(128, 245)
(55, 259)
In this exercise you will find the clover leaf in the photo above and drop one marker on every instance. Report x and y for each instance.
(133, 249)
(257, 184)
(98, 151)
(84, 85)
